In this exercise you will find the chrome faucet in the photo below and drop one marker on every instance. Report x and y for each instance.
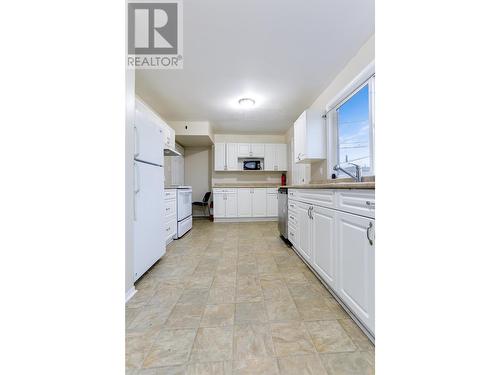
(356, 177)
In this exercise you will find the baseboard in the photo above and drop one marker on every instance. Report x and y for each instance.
(130, 293)
(243, 219)
(358, 322)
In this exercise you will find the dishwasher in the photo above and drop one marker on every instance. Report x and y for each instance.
(283, 212)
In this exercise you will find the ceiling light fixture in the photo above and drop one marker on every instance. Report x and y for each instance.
(246, 102)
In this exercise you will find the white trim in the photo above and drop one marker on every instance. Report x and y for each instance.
(365, 75)
(130, 293)
(243, 219)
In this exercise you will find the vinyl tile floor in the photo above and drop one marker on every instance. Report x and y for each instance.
(232, 298)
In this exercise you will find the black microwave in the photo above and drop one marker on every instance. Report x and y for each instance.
(251, 165)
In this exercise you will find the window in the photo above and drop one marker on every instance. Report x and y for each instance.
(351, 129)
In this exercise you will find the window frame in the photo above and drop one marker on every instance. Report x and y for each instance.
(366, 77)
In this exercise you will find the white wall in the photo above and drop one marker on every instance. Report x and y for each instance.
(129, 180)
(363, 57)
(250, 138)
(197, 172)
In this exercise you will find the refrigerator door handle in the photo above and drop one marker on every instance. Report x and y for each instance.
(136, 142)
(137, 176)
(136, 188)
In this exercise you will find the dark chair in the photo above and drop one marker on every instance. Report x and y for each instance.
(204, 203)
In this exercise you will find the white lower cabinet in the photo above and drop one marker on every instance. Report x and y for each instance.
(356, 265)
(219, 204)
(272, 205)
(231, 205)
(340, 247)
(259, 202)
(244, 203)
(225, 203)
(252, 202)
(323, 243)
(304, 230)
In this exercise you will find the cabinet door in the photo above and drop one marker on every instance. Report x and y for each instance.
(304, 230)
(356, 265)
(272, 205)
(244, 149)
(299, 137)
(244, 202)
(219, 205)
(220, 156)
(231, 205)
(232, 156)
(281, 157)
(257, 150)
(269, 157)
(323, 242)
(259, 202)
(169, 135)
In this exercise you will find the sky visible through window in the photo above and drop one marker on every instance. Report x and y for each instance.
(353, 130)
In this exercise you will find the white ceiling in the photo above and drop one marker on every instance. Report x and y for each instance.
(283, 53)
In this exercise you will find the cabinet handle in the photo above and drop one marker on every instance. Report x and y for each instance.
(291, 217)
(371, 204)
(136, 140)
(312, 218)
(368, 233)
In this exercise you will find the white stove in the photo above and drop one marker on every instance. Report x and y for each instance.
(184, 209)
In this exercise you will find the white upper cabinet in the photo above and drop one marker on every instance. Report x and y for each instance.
(282, 156)
(220, 157)
(244, 149)
(232, 156)
(253, 150)
(275, 157)
(169, 137)
(258, 150)
(226, 157)
(309, 137)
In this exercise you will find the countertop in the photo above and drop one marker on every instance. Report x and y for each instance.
(246, 185)
(341, 183)
(335, 185)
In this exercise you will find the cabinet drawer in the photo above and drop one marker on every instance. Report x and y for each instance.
(170, 194)
(359, 202)
(292, 236)
(292, 206)
(320, 197)
(224, 190)
(170, 207)
(171, 228)
(292, 219)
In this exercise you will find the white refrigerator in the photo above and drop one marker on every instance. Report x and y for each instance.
(149, 223)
